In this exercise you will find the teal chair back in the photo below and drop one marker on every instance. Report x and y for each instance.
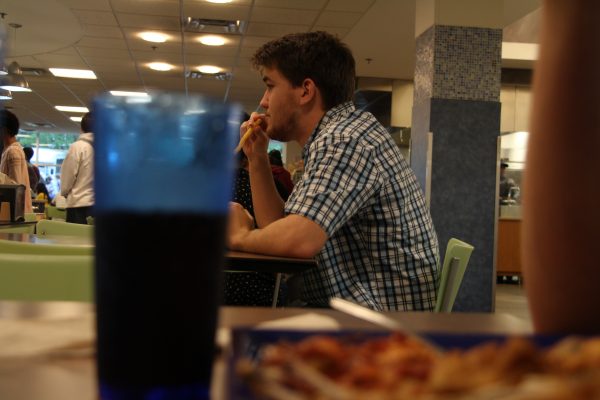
(29, 228)
(56, 213)
(50, 227)
(29, 277)
(456, 260)
(27, 248)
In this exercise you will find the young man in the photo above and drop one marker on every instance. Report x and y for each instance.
(77, 175)
(358, 210)
(12, 162)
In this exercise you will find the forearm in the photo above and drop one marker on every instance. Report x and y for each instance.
(268, 205)
(292, 236)
(562, 221)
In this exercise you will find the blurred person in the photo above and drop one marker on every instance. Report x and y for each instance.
(561, 226)
(42, 192)
(279, 172)
(32, 170)
(12, 162)
(77, 175)
(358, 209)
(507, 185)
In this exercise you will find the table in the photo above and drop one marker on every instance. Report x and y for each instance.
(234, 260)
(68, 377)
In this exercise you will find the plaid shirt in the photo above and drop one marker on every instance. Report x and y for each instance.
(382, 250)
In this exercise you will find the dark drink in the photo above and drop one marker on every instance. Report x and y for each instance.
(163, 179)
(156, 305)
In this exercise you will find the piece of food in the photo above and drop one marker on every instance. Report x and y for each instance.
(247, 135)
(395, 367)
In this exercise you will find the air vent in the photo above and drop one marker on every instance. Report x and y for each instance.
(205, 25)
(40, 124)
(27, 71)
(219, 76)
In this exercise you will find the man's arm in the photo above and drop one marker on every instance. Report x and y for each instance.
(291, 236)
(561, 224)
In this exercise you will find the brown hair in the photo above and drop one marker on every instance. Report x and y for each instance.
(319, 56)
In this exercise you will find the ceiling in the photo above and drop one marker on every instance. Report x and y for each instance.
(101, 35)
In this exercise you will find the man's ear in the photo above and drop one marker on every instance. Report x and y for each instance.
(309, 91)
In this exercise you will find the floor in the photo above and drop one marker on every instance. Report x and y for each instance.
(510, 299)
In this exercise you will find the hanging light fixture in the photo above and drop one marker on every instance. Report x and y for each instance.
(5, 94)
(14, 79)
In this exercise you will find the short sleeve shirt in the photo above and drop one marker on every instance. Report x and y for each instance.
(382, 250)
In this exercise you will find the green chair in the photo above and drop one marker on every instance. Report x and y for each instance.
(50, 227)
(27, 248)
(453, 270)
(29, 228)
(56, 213)
(28, 277)
(30, 217)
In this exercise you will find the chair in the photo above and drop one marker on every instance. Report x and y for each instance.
(30, 217)
(56, 213)
(50, 227)
(27, 248)
(455, 263)
(28, 228)
(29, 277)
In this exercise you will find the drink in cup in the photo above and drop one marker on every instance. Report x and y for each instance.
(163, 180)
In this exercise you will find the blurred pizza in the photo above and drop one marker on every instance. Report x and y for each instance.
(397, 367)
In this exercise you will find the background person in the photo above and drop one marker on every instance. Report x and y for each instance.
(358, 209)
(281, 174)
(12, 162)
(77, 175)
(32, 170)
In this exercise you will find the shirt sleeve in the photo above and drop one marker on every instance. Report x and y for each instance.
(339, 180)
(69, 170)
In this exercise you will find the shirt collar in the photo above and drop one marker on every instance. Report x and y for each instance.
(334, 114)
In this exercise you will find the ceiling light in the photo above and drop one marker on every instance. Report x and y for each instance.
(160, 66)
(212, 40)
(209, 69)
(219, 1)
(129, 94)
(5, 94)
(155, 37)
(72, 109)
(14, 81)
(73, 73)
(76, 119)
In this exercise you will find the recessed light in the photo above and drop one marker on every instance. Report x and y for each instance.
(209, 69)
(76, 119)
(129, 94)
(160, 66)
(212, 40)
(73, 73)
(72, 109)
(155, 37)
(219, 1)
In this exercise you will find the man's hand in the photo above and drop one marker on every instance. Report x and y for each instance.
(258, 142)
(240, 224)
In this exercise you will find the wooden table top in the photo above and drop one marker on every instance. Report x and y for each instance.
(66, 376)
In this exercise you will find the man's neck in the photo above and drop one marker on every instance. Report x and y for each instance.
(309, 123)
(8, 140)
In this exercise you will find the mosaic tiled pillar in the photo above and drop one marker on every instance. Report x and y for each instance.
(457, 99)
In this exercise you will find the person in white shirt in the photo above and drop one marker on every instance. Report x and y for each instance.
(12, 162)
(77, 175)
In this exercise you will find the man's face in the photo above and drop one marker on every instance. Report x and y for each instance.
(281, 104)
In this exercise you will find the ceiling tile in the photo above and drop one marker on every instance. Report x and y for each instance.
(88, 17)
(338, 19)
(61, 61)
(102, 43)
(284, 16)
(360, 6)
(274, 30)
(200, 9)
(100, 5)
(148, 22)
(103, 31)
(304, 4)
(147, 7)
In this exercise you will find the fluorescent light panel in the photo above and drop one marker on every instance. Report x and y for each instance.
(209, 69)
(72, 109)
(129, 94)
(76, 119)
(73, 73)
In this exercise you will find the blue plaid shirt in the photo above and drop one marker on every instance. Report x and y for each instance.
(382, 250)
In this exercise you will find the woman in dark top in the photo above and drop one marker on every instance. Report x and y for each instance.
(250, 288)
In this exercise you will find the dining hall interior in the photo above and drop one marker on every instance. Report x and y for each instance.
(451, 81)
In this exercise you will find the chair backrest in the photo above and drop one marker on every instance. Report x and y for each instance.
(56, 213)
(453, 270)
(27, 248)
(28, 277)
(50, 227)
(29, 228)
